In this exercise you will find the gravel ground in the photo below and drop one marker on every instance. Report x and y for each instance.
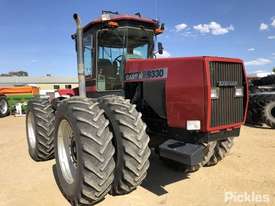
(249, 168)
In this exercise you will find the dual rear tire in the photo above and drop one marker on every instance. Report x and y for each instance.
(40, 126)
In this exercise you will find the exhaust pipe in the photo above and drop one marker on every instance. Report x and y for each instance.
(80, 57)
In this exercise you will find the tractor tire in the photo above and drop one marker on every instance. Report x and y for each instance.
(40, 123)
(84, 151)
(4, 107)
(268, 110)
(220, 151)
(131, 141)
(254, 113)
(208, 153)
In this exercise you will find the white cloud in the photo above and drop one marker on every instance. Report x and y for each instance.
(180, 27)
(213, 28)
(263, 26)
(273, 22)
(164, 55)
(251, 49)
(271, 37)
(258, 62)
(273, 54)
(202, 28)
(259, 73)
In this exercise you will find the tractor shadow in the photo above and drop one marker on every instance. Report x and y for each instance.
(159, 175)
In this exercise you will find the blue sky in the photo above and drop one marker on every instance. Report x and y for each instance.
(35, 34)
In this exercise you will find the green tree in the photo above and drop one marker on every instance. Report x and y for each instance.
(273, 70)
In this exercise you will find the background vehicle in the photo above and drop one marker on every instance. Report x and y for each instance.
(190, 107)
(261, 108)
(10, 96)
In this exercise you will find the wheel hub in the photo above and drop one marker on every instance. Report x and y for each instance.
(73, 151)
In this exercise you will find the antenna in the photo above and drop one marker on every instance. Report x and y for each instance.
(156, 9)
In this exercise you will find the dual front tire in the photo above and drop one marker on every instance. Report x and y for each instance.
(84, 151)
(132, 151)
(90, 160)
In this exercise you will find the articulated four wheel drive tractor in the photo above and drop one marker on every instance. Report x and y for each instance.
(187, 109)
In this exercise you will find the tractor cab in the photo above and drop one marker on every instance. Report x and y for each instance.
(109, 41)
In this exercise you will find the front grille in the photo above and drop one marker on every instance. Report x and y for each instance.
(227, 109)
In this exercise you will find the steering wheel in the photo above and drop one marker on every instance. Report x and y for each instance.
(118, 59)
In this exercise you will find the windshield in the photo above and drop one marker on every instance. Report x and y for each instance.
(116, 45)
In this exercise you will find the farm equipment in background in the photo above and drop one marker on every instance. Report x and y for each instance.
(261, 109)
(187, 109)
(12, 97)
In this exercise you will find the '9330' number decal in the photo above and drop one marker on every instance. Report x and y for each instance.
(159, 73)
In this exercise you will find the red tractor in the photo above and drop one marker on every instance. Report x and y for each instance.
(187, 109)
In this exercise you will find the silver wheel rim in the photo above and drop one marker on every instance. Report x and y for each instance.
(31, 132)
(3, 106)
(66, 151)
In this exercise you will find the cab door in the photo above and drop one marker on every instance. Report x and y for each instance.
(89, 60)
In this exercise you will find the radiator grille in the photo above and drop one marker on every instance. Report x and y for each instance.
(227, 109)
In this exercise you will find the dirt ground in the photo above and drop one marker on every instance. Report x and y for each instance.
(250, 167)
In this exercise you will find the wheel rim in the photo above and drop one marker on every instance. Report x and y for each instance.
(31, 132)
(67, 151)
(3, 106)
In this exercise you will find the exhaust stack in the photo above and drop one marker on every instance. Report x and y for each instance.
(80, 57)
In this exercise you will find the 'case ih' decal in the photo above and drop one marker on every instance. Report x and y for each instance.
(160, 73)
(227, 83)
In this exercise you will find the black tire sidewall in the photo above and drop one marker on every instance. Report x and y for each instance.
(268, 110)
(69, 190)
(8, 111)
(32, 151)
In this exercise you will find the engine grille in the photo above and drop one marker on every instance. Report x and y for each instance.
(227, 109)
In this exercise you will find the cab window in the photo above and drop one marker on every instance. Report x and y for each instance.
(88, 55)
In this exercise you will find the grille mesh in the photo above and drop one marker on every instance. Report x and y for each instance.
(227, 109)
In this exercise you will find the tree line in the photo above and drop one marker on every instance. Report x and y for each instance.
(15, 73)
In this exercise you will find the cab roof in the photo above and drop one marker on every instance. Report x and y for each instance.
(116, 17)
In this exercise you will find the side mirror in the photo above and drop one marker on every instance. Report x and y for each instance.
(160, 48)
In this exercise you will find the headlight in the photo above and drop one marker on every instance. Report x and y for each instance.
(238, 92)
(193, 124)
(215, 93)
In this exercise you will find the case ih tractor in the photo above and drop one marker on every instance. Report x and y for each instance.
(187, 109)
